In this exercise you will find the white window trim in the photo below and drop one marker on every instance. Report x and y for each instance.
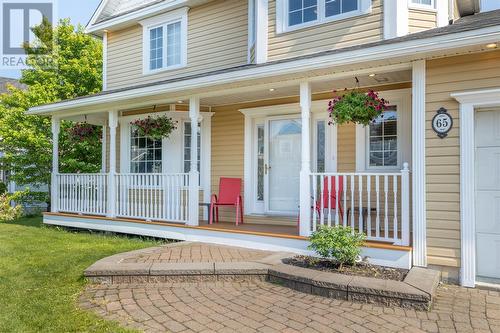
(364, 7)
(431, 7)
(402, 100)
(178, 15)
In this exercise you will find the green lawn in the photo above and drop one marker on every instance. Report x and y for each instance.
(41, 276)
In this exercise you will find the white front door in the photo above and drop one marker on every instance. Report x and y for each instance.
(488, 194)
(282, 165)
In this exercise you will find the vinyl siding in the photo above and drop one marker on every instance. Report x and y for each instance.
(445, 76)
(326, 36)
(217, 39)
(421, 19)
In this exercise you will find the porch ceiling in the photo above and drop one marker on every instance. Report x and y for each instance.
(284, 90)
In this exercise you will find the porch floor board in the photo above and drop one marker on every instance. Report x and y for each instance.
(269, 229)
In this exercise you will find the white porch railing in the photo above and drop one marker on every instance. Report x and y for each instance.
(82, 193)
(376, 204)
(162, 197)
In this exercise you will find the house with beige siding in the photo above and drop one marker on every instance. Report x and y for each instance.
(248, 84)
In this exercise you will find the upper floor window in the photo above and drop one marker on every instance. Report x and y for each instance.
(337, 7)
(295, 14)
(302, 11)
(165, 41)
(422, 3)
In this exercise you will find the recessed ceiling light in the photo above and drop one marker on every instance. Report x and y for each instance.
(491, 46)
(372, 75)
(180, 102)
(272, 89)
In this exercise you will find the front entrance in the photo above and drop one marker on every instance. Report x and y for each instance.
(487, 159)
(282, 164)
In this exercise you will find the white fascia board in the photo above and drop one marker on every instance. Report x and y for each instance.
(97, 13)
(413, 48)
(136, 15)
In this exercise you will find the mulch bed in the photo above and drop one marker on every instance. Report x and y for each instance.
(361, 269)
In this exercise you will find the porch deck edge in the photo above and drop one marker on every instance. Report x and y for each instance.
(367, 244)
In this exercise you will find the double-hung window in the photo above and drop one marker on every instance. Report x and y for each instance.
(165, 41)
(299, 13)
(145, 153)
(383, 140)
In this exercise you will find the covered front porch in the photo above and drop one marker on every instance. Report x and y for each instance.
(298, 171)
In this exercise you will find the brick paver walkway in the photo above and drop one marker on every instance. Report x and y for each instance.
(197, 252)
(264, 307)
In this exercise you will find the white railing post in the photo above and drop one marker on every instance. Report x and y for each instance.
(405, 205)
(113, 124)
(54, 202)
(194, 192)
(305, 172)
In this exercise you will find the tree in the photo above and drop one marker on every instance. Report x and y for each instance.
(26, 140)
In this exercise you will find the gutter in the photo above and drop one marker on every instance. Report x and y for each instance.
(413, 48)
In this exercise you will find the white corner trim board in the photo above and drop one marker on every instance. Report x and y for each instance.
(396, 19)
(469, 101)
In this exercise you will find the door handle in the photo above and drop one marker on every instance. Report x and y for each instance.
(267, 168)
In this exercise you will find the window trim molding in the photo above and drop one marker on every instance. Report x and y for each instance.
(402, 99)
(364, 7)
(178, 15)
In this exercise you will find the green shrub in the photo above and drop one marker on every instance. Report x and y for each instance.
(7, 212)
(339, 243)
(3, 188)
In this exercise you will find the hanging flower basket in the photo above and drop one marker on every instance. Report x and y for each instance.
(155, 128)
(356, 107)
(83, 131)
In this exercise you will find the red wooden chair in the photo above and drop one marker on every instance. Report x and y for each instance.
(229, 195)
(329, 202)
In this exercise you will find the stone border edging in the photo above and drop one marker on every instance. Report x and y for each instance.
(416, 291)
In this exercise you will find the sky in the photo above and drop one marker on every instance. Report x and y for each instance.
(79, 11)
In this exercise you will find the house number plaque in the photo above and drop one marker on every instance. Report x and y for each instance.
(442, 123)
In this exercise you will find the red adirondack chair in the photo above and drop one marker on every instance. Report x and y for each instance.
(329, 202)
(333, 202)
(229, 195)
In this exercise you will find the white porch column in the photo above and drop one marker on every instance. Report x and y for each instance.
(104, 144)
(113, 124)
(194, 192)
(418, 160)
(305, 172)
(56, 124)
(467, 196)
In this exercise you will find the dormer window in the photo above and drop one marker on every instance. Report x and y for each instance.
(165, 41)
(296, 14)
